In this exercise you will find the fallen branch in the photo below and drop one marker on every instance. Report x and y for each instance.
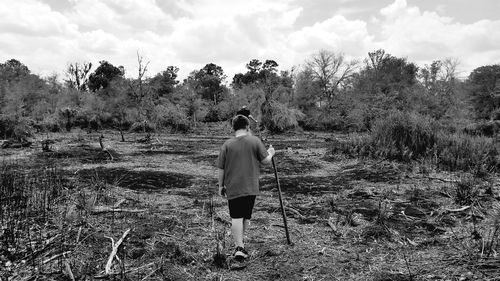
(295, 212)
(67, 268)
(114, 251)
(458, 210)
(107, 209)
(119, 203)
(55, 257)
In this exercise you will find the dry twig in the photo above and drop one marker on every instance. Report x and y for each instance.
(115, 246)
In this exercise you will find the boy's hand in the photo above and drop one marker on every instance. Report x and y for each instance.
(222, 190)
(271, 150)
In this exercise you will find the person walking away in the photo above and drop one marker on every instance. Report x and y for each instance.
(239, 169)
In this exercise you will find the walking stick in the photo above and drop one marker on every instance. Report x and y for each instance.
(283, 213)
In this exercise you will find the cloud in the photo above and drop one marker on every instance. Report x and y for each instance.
(425, 36)
(31, 18)
(337, 34)
(47, 35)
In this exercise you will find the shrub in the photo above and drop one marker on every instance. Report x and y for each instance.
(278, 118)
(17, 129)
(464, 152)
(404, 136)
(49, 124)
(175, 117)
(466, 191)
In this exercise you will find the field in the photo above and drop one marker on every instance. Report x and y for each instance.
(349, 219)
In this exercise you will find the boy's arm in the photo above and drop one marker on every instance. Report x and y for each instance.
(221, 181)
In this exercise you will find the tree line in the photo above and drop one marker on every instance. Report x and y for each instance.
(327, 92)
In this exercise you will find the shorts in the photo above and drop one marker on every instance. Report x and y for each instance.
(241, 207)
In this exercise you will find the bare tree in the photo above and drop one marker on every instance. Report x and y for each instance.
(331, 70)
(139, 91)
(78, 75)
(449, 71)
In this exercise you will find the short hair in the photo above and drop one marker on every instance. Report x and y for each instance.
(240, 122)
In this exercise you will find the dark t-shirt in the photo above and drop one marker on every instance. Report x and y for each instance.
(240, 158)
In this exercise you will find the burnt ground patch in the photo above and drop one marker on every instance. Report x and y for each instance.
(137, 180)
(84, 154)
(309, 185)
(288, 165)
(281, 143)
(198, 158)
(152, 152)
(378, 172)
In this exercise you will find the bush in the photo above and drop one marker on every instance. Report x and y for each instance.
(169, 115)
(49, 124)
(404, 136)
(464, 152)
(278, 118)
(17, 129)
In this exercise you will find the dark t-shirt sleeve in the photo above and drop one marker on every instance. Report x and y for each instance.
(222, 157)
(261, 150)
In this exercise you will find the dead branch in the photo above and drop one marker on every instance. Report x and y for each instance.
(119, 203)
(440, 179)
(288, 208)
(107, 209)
(55, 257)
(458, 210)
(78, 235)
(67, 268)
(114, 251)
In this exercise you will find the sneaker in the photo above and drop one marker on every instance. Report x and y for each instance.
(240, 253)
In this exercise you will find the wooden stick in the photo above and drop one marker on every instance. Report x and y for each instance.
(114, 251)
(55, 257)
(67, 267)
(283, 213)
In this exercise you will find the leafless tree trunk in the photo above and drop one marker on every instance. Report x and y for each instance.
(78, 75)
(331, 70)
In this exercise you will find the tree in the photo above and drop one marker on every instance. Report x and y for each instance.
(485, 90)
(331, 70)
(209, 82)
(103, 75)
(78, 76)
(308, 91)
(164, 82)
(12, 70)
(141, 92)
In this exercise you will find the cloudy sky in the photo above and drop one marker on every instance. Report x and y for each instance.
(46, 35)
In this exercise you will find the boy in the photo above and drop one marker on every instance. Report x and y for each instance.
(239, 168)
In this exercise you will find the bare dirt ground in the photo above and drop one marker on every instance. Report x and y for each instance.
(349, 219)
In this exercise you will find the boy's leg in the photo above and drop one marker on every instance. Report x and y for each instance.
(237, 228)
(246, 225)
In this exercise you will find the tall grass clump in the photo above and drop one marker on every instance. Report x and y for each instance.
(28, 198)
(404, 136)
(460, 151)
